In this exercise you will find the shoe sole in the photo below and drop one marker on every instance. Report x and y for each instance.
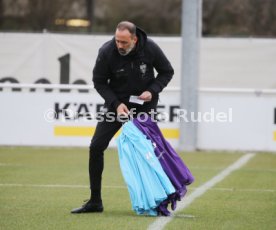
(100, 211)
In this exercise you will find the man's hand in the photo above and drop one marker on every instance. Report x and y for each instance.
(146, 96)
(122, 110)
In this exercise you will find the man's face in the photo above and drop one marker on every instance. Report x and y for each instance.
(125, 41)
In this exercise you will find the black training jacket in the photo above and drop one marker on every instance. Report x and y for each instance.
(116, 77)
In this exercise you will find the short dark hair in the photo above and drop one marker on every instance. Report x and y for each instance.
(126, 25)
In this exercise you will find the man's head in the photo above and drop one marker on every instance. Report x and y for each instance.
(125, 37)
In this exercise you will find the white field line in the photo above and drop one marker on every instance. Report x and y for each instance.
(220, 168)
(58, 186)
(124, 187)
(240, 190)
(160, 222)
(191, 168)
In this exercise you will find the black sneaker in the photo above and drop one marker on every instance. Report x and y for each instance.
(89, 206)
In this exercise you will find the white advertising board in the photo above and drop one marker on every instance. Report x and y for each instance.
(69, 59)
(61, 118)
(252, 126)
(226, 120)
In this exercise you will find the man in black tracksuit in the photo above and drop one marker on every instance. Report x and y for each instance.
(124, 67)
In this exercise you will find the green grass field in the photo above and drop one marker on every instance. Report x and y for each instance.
(39, 187)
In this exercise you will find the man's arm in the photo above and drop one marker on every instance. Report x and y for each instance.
(163, 68)
(100, 78)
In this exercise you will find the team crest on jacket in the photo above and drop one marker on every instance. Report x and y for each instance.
(143, 69)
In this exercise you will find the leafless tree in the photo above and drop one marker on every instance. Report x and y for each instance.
(239, 17)
(1, 12)
(220, 17)
(156, 16)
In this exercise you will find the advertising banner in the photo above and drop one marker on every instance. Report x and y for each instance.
(226, 121)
